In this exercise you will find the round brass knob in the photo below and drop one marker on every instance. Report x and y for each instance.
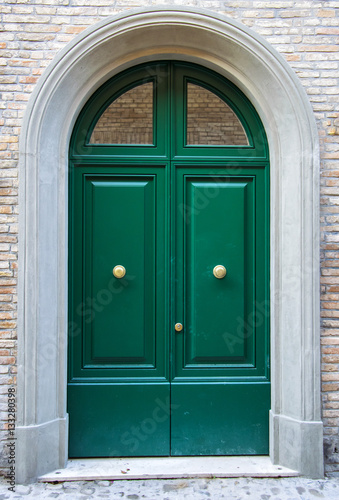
(178, 327)
(219, 272)
(119, 271)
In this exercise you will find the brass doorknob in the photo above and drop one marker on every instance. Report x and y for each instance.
(219, 272)
(119, 271)
(178, 327)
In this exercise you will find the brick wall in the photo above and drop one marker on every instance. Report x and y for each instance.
(305, 32)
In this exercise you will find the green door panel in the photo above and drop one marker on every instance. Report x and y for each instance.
(120, 219)
(220, 419)
(169, 210)
(119, 230)
(219, 221)
(220, 368)
(215, 234)
(107, 420)
(118, 369)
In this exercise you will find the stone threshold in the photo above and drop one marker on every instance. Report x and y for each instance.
(91, 469)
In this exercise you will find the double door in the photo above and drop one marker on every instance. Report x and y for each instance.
(168, 340)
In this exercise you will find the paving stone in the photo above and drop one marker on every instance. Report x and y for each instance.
(294, 488)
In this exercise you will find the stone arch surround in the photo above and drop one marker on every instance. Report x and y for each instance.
(233, 50)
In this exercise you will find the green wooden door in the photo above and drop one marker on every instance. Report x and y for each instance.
(169, 179)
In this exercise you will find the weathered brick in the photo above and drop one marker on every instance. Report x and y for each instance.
(293, 13)
(326, 13)
(9, 360)
(75, 29)
(319, 48)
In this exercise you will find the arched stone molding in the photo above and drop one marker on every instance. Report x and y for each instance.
(98, 53)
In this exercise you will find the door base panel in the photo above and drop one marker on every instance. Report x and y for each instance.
(205, 419)
(220, 419)
(140, 412)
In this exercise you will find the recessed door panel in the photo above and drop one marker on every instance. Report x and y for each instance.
(219, 216)
(119, 221)
(120, 230)
(218, 232)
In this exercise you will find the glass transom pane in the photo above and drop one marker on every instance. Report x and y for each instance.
(210, 121)
(128, 120)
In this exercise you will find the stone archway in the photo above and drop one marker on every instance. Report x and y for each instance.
(260, 72)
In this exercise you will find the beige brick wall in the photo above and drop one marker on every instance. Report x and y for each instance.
(305, 32)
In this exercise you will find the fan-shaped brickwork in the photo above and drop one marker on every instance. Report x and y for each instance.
(210, 121)
(128, 120)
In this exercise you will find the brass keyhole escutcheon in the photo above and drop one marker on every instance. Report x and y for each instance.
(119, 271)
(219, 272)
(178, 327)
